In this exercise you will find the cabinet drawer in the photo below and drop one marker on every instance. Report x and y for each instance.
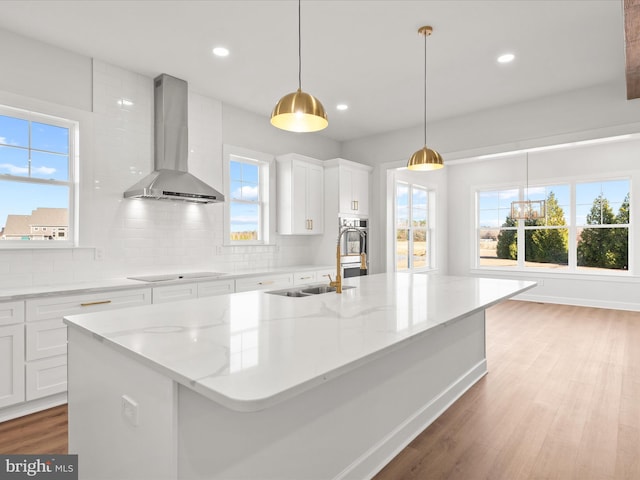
(46, 338)
(59, 306)
(265, 282)
(303, 278)
(46, 377)
(325, 275)
(11, 365)
(218, 287)
(172, 293)
(11, 312)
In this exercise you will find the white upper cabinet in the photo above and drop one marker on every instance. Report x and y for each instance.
(353, 182)
(300, 195)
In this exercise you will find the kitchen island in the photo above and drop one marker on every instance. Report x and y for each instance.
(260, 386)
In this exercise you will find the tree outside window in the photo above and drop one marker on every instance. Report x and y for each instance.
(600, 241)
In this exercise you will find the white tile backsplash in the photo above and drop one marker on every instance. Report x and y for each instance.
(139, 236)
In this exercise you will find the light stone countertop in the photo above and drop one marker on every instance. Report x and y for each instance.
(122, 283)
(251, 350)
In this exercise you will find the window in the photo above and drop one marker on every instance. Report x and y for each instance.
(36, 177)
(413, 242)
(247, 175)
(585, 228)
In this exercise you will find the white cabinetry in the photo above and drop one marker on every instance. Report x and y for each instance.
(184, 291)
(11, 353)
(46, 334)
(264, 282)
(352, 181)
(300, 199)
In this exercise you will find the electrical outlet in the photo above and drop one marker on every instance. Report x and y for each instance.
(129, 410)
(98, 253)
(540, 282)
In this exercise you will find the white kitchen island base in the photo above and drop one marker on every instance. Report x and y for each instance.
(261, 387)
(349, 427)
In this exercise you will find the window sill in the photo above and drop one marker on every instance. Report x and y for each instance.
(621, 276)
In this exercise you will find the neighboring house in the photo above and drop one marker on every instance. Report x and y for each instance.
(42, 224)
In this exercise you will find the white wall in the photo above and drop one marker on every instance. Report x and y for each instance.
(116, 149)
(591, 113)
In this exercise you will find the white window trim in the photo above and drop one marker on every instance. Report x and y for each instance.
(430, 229)
(572, 270)
(28, 109)
(267, 185)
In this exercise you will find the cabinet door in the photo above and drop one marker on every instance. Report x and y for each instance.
(172, 293)
(46, 377)
(11, 312)
(46, 338)
(360, 191)
(264, 282)
(57, 307)
(217, 287)
(11, 364)
(315, 199)
(303, 278)
(346, 197)
(299, 216)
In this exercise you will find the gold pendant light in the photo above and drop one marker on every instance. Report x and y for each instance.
(425, 158)
(299, 111)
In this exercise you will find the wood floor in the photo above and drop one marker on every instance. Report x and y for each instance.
(561, 401)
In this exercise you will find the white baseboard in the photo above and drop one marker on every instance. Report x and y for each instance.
(372, 461)
(33, 406)
(579, 302)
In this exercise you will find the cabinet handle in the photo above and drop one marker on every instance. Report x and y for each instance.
(305, 278)
(268, 282)
(311, 224)
(100, 302)
(354, 205)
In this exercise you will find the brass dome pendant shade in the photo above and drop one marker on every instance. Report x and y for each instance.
(299, 111)
(425, 158)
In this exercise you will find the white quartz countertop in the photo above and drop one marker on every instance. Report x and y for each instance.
(251, 350)
(121, 283)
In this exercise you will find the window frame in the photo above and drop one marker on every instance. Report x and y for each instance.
(265, 163)
(429, 228)
(572, 269)
(37, 115)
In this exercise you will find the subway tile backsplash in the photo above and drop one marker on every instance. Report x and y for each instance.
(121, 237)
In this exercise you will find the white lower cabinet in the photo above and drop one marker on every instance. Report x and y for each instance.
(264, 282)
(46, 377)
(11, 364)
(172, 293)
(46, 338)
(215, 287)
(304, 278)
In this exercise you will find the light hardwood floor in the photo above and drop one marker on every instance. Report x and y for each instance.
(561, 401)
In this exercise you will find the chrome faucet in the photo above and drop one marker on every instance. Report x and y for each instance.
(337, 283)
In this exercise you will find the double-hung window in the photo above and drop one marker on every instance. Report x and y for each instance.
(36, 179)
(413, 229)
(585, 227)
(247, 197)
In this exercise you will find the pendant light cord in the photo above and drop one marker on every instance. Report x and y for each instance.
(425, 90)
(299, 49)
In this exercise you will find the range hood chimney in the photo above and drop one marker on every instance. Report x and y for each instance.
(170, 179)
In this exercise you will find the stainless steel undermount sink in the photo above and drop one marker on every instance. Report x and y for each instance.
(307, 292)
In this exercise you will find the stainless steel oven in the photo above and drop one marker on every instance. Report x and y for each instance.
(353, 243)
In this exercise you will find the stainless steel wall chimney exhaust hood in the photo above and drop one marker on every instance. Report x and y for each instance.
(170, 179)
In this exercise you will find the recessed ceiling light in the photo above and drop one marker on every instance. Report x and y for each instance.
(506, 58)
(220, 51)
(342, 106)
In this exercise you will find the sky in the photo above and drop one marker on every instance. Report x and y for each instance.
(32, 150)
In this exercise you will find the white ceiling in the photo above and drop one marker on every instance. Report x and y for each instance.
(364, 53)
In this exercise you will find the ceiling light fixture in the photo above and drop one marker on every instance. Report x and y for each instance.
(299, 111)
(425, 158)
(528, 209)
(342, 106)
(221, 51)
(506, 58)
